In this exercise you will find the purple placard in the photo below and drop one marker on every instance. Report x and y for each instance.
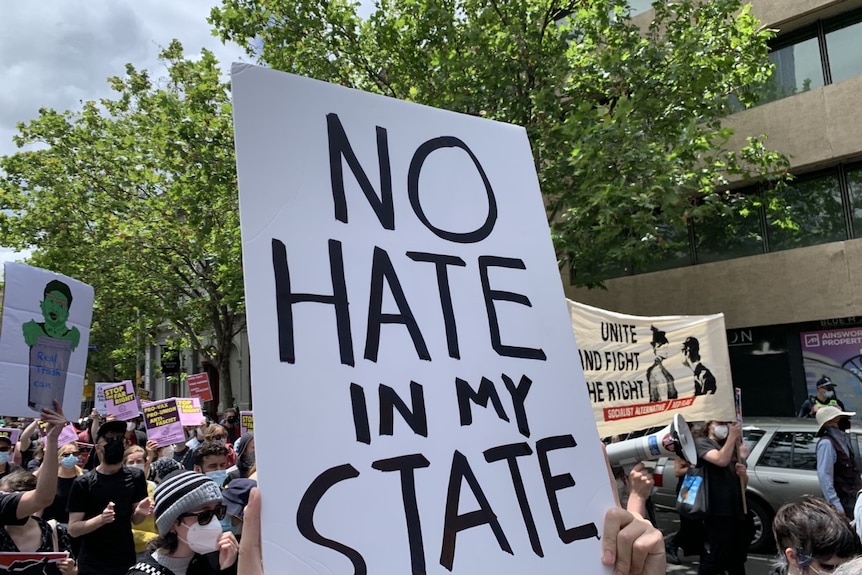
(190, 411)
(120, 401)
(162, 420)
(11, 433)
(68, 435)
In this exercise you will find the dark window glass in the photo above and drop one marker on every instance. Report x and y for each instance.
(732, 233)
(854, 185)
(779, 452)
(845, 46)
(797, 69)
(814, 211)
(671, 249)
(750, 437)
(805, 451)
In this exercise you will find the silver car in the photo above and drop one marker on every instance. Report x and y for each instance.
(782, 467)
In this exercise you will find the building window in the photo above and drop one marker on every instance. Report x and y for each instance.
(814, 206)
(826, 52)
(844, 45)
(854, 192)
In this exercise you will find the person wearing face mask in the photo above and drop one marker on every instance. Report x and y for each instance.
(231, 424)
(146, 530)
(837, 469)
(211, 460)
(812, 538)
(67, 472)
(103, 505)
(7, 449)
(245, 459)
(726, 528)
(825, 397)
(188, 509)
(215, 433)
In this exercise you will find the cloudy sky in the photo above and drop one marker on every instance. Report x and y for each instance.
(56, 53)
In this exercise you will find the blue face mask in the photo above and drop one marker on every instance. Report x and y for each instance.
(69, 461)
(218, 477)
(227, 526)
(4, 457)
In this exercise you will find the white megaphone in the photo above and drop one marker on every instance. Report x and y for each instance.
(675, 439)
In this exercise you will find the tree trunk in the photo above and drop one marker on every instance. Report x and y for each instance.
(226, 391)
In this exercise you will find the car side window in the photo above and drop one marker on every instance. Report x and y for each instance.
(750, 437)
(779, 452)
(791, 450)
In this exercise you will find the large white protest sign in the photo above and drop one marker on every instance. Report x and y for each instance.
(44, 341)
(418, 400)
(640, 371)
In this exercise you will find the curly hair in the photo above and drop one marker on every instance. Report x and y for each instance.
(208, 449)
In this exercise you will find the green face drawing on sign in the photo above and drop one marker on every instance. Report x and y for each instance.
(55, 311)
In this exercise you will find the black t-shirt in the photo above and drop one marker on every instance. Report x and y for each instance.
(58, 509)
(725, 491)
(110, 549)
(9, 507)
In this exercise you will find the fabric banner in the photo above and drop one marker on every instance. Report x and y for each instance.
(640, 371)
(199, 386)
(246, 421)
(44, 340)
(836, 354)
(162, 420)
(413, 355)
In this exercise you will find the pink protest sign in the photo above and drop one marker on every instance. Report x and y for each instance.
(68, 435)
(190, 411)
(121, 402)
(162, 420)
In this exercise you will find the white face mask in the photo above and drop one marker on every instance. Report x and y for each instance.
(136, 466)
(168, 452)
(203, 539)
(720, 431)
(829, 394)
(130, 426)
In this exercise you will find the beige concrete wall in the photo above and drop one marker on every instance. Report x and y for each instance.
(813, 128)
(787, 15)
(805, 284)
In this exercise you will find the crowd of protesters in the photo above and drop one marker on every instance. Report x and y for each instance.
(118, 504)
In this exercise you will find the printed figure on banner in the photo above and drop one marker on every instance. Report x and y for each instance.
(44, 340)
(704, 380)
(660, 380)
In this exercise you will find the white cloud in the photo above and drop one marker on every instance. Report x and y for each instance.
(57, 53)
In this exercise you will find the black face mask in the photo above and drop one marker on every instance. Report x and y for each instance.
(246, 461)
(843, 424)
(114, 451)
(231, 420)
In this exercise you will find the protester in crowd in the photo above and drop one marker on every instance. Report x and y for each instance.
(34, 535)
(812, 538)
(184, 453)
(689, 536)
(235, 498)
(28, 442)
(7, 449)
(67, 471)
(231, 423)
(16, 508)
(145, 531)
(211, 460)
(133, 434)
(245, 458)
(825, 397)
(103, 505)
(837, 468)
(727, 530)
(38, 456)
(162, 467)
(91, 427)
(188, 508)
(215, 433)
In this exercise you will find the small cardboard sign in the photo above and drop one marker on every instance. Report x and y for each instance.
(246, 422)
(68, 435)
(11, 434)
(143, 394)
(199, 386)
(190, 411)
(162, 420)
(121, 401)
(37, 563)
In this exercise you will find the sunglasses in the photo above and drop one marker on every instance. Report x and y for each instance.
(218, 437)
(205, 516)
(68, 453)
